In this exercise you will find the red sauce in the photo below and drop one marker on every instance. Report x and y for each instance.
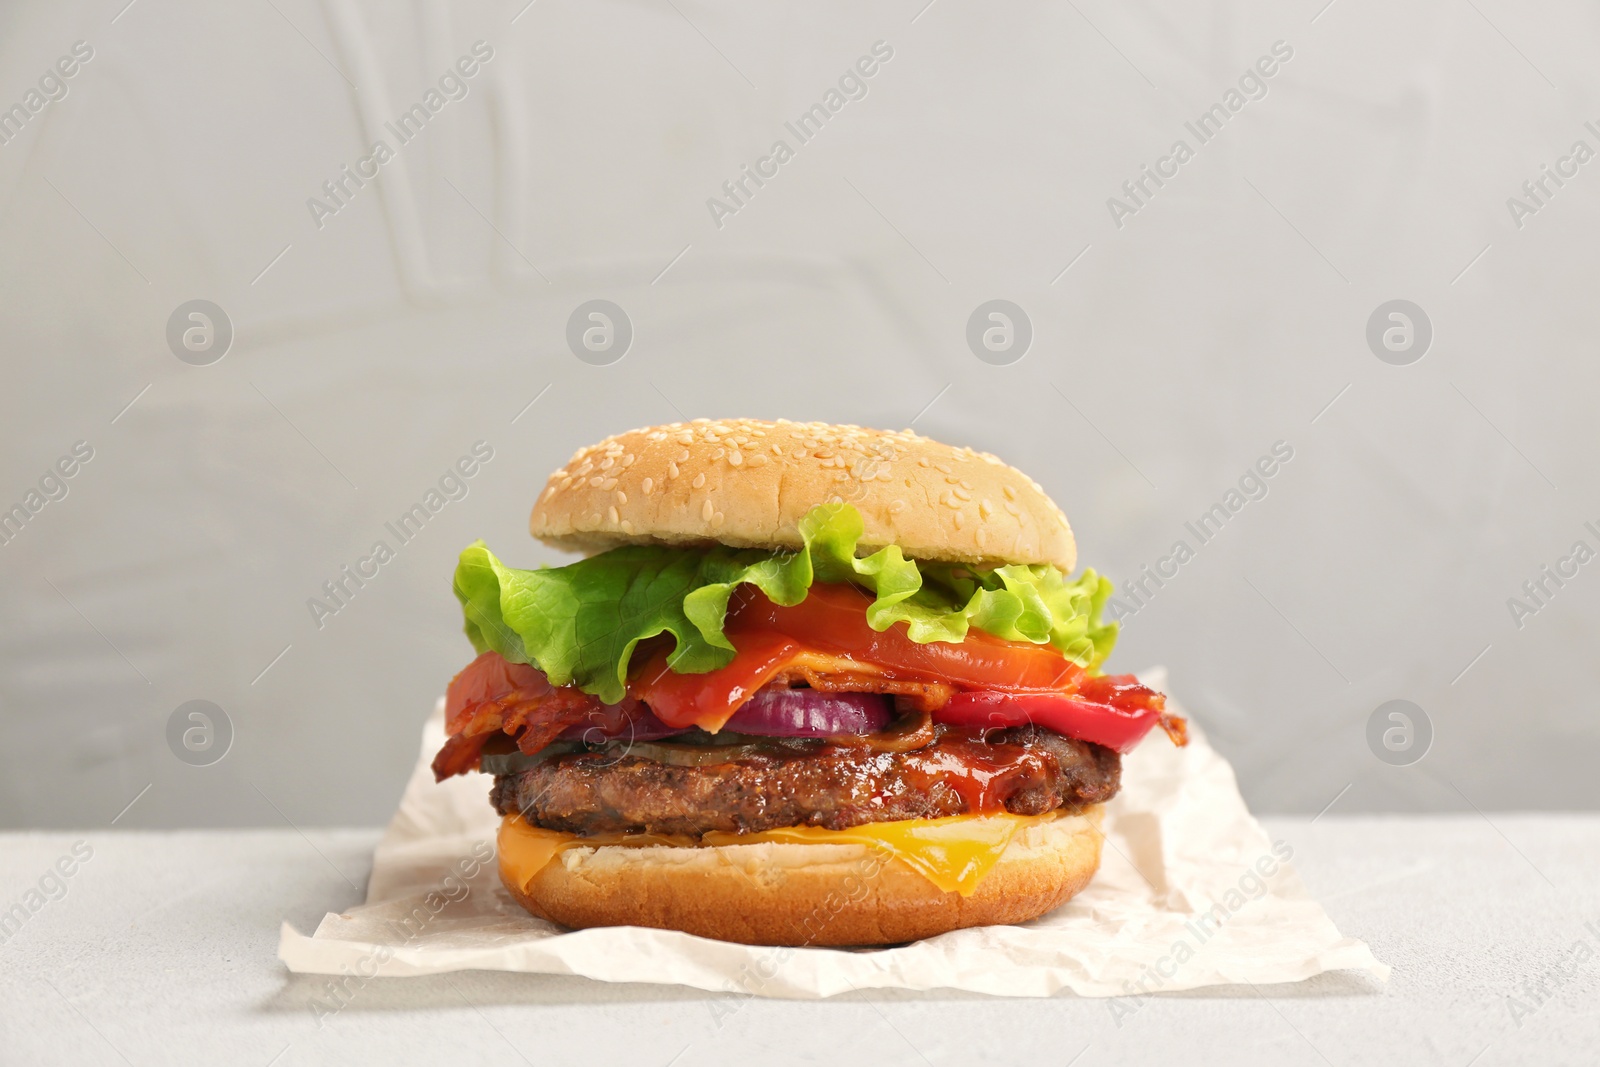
(984, 775)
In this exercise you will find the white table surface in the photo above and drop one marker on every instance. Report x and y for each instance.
(163, 951)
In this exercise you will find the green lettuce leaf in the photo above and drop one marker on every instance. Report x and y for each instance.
(581, 623)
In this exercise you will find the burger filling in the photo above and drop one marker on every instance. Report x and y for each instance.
(691, 691)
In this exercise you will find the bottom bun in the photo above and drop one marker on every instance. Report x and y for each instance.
(773, 893)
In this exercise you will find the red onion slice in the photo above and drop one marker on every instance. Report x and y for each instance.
(776, 711)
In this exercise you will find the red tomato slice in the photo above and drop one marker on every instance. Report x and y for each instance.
(833, 617)
(1118, 726)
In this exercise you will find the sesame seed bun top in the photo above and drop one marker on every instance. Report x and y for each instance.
(747, 483)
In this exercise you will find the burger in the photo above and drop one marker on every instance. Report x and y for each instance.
(810, 685)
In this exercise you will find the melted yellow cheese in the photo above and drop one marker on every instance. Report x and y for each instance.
(526, 850)
(954, 853)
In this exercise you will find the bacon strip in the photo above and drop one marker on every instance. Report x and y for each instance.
(494, 695)
(459, 755)
(1176, 727)
(924, 696)
(542, 721)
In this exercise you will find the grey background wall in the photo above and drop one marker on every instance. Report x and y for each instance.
(1174, 343)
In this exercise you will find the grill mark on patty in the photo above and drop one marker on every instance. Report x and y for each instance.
(835, 788)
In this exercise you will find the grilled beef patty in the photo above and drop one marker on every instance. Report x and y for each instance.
(1026, 770)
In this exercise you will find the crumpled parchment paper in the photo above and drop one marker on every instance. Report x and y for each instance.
(1191, 892)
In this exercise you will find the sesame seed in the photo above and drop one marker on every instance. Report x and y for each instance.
(648, 486)
(607, 463)
(595, 481)
(622, 498)
(716, 519)
(985, 509)
(700, 480)
(736, 459)
(609, 484)
(706, 511)
(758, 460)
(672, 470)
(719, 453)
(611, 513)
